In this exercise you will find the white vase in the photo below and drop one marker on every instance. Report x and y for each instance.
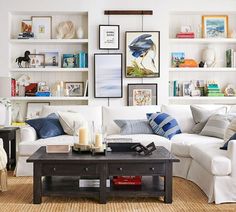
(209, 57)
(80, 33)
(8, 117)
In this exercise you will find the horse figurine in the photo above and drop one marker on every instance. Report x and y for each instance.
(26, 59)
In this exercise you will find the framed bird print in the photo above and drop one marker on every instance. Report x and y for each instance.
(142, 54)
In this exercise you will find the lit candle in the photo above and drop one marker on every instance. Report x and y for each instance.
(58, 90)
(98, 140)
(83, 136)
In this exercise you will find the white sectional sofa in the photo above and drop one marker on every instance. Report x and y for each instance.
(201, 160)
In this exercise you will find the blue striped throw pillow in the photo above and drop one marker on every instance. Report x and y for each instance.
(163, 124)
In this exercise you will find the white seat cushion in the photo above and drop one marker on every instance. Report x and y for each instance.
(213, 159)
(144, 139)
(181, 143)
(29, 147)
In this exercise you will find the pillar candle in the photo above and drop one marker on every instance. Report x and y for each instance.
(83, 136)
(98, 140)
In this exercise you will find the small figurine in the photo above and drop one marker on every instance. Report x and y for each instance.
(26, 59)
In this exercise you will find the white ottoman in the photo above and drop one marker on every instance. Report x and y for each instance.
(3, 170)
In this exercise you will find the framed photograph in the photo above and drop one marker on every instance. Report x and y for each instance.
(43, 87)
(51, 58)
(108, 75)
(177, 58)
(69, 61)
(34, 109)
(142, 54)
(215, 26)
(109, 37)
(74, 88)
(186, 88)
(26, 26)
(37, 60)
(42, 27)
(142, 94)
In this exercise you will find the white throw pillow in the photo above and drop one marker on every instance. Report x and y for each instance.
(70, 120)
(231, 130)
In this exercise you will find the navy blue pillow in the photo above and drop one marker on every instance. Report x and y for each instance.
(47, 127)
(225, 147)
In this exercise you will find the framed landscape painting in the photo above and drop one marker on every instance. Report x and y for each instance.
(108, 75)
(142, 54)
(142, 94)
(215, 26)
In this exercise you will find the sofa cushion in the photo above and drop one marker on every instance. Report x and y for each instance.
(181, 143)
(144, 139)
(46, 127)
(71, 120)
(126, 112)
(225, 146)
(216, 126)
(212, 158)
(128, 127)
(182, 114)
(231, 130)
(201, 115)
(29, 147)
(163, 124)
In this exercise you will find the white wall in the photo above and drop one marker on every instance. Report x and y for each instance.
(159, 21)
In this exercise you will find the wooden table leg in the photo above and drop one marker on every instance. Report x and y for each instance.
(6, 148)
(13, 152)
(103, 186)
(37, 184)
(168, 183)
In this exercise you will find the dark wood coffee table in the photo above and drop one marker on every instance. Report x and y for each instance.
(58, 174)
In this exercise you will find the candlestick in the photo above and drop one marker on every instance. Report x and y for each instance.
(98, 140)
(83, 136)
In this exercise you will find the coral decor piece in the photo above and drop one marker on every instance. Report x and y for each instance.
(65, 30)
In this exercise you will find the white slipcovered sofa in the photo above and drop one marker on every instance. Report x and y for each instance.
(3, 170)
(201, 160)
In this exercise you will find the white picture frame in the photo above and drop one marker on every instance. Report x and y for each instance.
(42, 27)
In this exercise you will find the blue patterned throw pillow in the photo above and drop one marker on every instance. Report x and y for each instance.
(163, 124)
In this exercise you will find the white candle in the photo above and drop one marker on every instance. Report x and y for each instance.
(83, 136)
(98, 140)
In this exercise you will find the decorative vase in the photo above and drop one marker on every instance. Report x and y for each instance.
(80, 33)
(209, 57)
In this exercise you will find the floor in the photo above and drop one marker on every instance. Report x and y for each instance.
(187, 197)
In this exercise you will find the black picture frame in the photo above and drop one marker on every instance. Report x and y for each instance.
(152, 86)
(101, 47)
(127, 53)
(109, 78)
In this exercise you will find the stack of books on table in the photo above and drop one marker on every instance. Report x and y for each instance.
(185, 35)
(214, 90)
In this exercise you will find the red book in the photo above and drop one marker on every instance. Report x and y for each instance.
(13, 87)
(127, 180)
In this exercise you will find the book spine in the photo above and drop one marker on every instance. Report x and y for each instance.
(228, 58)
(13, 87)
(232, 57)
(174, 88)
(86, 60)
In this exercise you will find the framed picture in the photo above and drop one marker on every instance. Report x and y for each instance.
(51, 58)
(109, 37)
(42, 27)
(142, 54)
(37, 60)
(26, 26)
(43, 87)
(69, 61)
(186, 88)
(215, 26)
(74, 88)
(34, 109)
(177, 58)
(142, 94)
(108, 75)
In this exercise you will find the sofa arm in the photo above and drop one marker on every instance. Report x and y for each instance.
(232, 155)
(28, 134)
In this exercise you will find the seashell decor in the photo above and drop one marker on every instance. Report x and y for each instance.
(65, 30)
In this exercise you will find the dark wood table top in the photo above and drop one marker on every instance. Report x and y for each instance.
(8, 129)
(161, 154)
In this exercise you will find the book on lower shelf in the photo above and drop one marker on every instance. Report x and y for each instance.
(94, 183)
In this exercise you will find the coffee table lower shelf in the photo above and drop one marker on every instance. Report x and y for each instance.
(69, 186)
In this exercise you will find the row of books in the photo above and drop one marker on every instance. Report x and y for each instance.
(75, 60)
(194, 88)
(230, 58)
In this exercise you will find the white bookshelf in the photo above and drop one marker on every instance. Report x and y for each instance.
(77, 70)
(48, 41)
(50, 98)
(193, 49)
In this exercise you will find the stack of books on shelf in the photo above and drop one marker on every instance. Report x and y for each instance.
(75, 60)
(185, 35)
(230, 58)
(214, 90)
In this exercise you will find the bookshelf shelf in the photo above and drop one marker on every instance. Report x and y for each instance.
(51, 98)
(48, 41)
(77, 70)
(220, 69)
(202, 41)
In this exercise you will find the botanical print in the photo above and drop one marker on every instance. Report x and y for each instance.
(142, 54)
(142, 97)
(215, 26)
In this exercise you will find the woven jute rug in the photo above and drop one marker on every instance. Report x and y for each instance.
(186, 197)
